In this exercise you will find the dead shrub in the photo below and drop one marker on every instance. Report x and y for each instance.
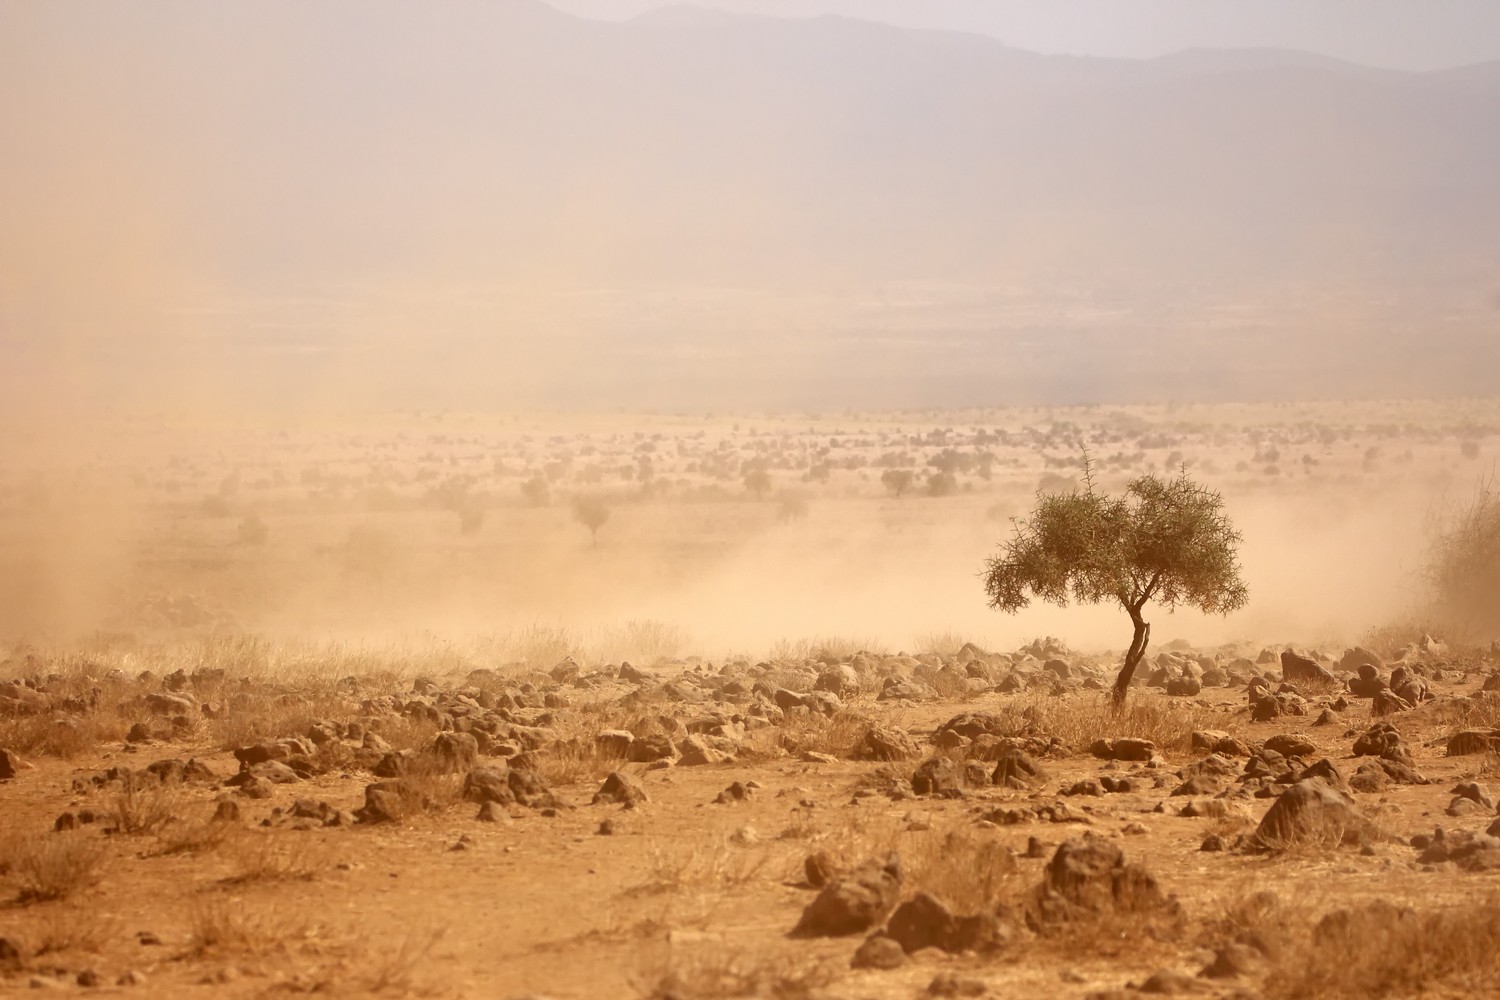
(217, 926)
(72, 929)
(144, 806)
(62, 736)
(570, 762)
(967, 868)
(838, 734)
(1383, 950)
(52, 866)
(396, 971)
(716, 973)
(286, 856)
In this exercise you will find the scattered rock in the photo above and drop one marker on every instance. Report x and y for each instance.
(738, 791)
(1017, 769)
(1123, 748)
(1090, 878)
(621, 789)
(1291, 745)
(1295, 668)
(820, 869)
(1311, 810)
(887, 743)
(938, 776)
(1472, 741)
(878, 952)
(854, 901)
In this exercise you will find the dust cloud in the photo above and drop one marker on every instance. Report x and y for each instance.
(288, 291)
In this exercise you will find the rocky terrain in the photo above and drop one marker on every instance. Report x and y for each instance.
(1256, 822)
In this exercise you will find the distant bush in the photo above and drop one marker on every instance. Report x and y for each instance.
(897, 481)
(941, 484)
(1469, 448)
(592, 513)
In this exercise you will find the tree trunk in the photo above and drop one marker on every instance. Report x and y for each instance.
(1133, 657)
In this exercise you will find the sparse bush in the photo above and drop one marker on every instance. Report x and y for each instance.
(591, 512)
(897, 481)
(143, 806)
(260, 856)
(52, 866)
(941, 484)
(219, 927)
(1381, 949)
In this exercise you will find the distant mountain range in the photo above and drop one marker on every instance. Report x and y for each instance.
(708, 203)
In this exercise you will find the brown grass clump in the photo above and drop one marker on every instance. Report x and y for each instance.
(275, 857)
(72, 929)
(144, 807)
(967, 868)
(57, 735)
(52, 866)
(229, 926)
(396, 971)
(1382, 950)
(1080, 722)
(838, 734)
(570, 762)
(716, 973)
(711, 862)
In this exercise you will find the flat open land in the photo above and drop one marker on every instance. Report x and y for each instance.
(393, 711)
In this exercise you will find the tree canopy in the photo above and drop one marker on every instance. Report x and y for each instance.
(1166, 541)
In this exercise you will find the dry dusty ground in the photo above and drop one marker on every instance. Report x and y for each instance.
(407, 892)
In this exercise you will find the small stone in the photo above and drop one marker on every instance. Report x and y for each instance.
(878, 952)
(820, 869)
(493, 812)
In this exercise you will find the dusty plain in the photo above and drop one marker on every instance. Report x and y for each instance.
(350, 706)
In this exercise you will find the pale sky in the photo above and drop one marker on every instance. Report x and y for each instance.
(1403, 34)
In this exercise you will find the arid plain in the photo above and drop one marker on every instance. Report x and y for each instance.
(709, 706)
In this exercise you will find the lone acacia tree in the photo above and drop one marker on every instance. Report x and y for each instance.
(1167, 541)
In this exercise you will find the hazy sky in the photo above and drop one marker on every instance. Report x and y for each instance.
(1406, 34)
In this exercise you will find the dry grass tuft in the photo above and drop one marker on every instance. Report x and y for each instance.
(1082, 720)
(52, 866)
(1382, 950)
(707, 975)
(65, 930)
(284, 856)
(838, 734)
(230, 927)
(711, 862)
(144, 807)
(967, 868)
(396, 971)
